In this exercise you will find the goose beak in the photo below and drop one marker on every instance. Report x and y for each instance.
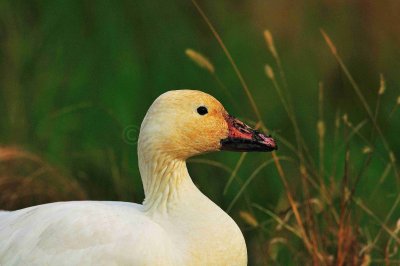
(243, 138)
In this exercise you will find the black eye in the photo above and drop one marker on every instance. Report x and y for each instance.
(202, 110)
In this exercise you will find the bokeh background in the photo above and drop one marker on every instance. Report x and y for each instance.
(76, 79)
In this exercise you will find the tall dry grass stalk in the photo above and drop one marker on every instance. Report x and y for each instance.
(229, 56)
(357, 89)
(271, 47)
(324, 216)
(256, 111)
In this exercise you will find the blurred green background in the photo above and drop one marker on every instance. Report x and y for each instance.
(76, 79)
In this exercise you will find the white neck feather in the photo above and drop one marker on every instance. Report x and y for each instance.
(166, 180)
(162, 180)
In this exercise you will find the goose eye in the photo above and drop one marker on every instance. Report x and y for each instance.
(202, 110)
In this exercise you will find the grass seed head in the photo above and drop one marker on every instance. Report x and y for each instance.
(200, 60)
(303, 170)
(398, 100)
(321, 128)
(270, 43)
(397, 226)
(366, 260)
(329, 42)
(269, 72)
(347, 193)
(392, 157)
(382, 86)
(346, 120)
(248, 218)
(367, 150)
(318, 205)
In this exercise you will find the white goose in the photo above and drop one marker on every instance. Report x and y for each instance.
(176, 225)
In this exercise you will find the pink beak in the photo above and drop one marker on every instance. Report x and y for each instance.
(243, 138)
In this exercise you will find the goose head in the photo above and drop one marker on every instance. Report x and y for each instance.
(184, 123)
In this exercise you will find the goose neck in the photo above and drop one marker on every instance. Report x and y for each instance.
(165, 180)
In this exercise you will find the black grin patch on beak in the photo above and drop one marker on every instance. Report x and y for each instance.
(244, 145)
